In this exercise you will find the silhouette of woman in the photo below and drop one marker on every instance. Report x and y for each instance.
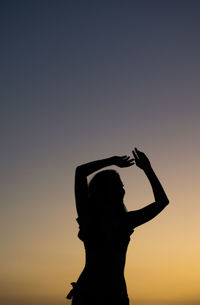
(105, 228)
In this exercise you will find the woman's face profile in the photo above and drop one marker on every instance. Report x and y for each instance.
(117, 189)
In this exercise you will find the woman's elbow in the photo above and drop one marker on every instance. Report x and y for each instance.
(79, 170)
(166, 202)
(163, 202)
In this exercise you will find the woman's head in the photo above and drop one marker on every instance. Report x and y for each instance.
(106, 189)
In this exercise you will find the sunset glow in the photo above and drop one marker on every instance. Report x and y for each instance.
(83, 81)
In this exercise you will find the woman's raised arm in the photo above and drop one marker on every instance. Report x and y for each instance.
(145, 214)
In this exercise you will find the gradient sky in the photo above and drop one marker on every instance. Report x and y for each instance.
(85, 80)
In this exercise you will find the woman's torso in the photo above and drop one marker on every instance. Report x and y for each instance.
(105, 247)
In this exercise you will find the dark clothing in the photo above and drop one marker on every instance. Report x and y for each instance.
(102, 280)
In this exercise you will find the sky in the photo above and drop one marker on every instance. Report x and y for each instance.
(82, 81)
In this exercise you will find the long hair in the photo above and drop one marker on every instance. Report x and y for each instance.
(106, 193)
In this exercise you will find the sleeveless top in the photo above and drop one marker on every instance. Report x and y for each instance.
(107, 235)
(109, 232)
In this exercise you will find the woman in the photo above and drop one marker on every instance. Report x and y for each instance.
(105, 228)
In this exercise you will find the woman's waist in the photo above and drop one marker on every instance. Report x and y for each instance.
(98, 275)
(115, 267)
(103, 255)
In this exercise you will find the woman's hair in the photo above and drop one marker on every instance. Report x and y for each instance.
(106, 192)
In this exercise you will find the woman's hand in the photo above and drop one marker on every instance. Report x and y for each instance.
(141, 159)
(123, 161)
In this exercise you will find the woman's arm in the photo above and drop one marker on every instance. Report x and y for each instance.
(141, 216)
(82, 171)
(158, 191)
(91, 167)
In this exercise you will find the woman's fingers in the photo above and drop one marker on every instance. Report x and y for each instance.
(137, 153)
(125, 157)
(129, 163)
(134, 154)
(129, 159)
(125, 161)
